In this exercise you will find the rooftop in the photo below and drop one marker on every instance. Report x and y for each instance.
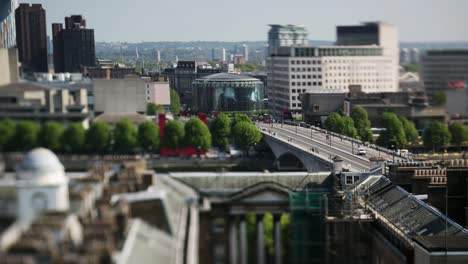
(226, 77)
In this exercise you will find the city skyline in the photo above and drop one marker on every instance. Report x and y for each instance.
(412, 18)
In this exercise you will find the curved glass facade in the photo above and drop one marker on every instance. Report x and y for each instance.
(227, 95)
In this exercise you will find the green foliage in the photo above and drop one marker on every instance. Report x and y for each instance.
(268, 229)
(245, 134)
(334, 123)
(173, 134)
(411, 133)
(437, 135)
(153, 109)
(73, 138)
(238, 117)
(125, 136)
(362, 123)
(220, 129)
(197, 134)
(98, 137)
(7, 133)
(26, 135)
(459, 133)
(175, 102)
(439, 98)
(394, 133)
(411, 67)
(248, 67)
(148, 136)
(348, 127)
(50, 136)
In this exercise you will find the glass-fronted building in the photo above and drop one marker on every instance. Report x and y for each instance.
(227, 92)
(7, 24)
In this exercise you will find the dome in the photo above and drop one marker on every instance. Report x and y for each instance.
(38, 163)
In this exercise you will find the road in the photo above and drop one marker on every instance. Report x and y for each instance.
(325, 145)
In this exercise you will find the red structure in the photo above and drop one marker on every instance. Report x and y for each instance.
(456, 84)
(202, 117)
(162, 124)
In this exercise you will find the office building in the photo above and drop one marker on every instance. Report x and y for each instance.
(9, 65)
(158, 91)
(245, 52)
(31, 37)
(405, 56)
(73, 45)
(415, 56)
(238, 59)
(107, 69)
(286, 36)
(218, 54)
(227, 92)
(7, 24)
(362, 59)
(182, 76)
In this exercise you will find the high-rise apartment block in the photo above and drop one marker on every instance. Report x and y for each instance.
(73, 46)
(245, 52)
(31, 37)
(366, 57)
(7, 24)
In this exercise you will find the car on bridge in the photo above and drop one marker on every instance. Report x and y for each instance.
(361, 151)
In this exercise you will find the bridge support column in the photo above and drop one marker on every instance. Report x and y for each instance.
(243, 240)
(233, 242)
(260, 240)
(277, 238)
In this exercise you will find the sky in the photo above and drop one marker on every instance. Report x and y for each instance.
(245, 20)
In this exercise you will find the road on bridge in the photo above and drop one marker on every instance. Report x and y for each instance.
(325, 145)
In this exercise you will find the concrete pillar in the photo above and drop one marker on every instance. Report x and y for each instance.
(243, 240)
(260, 240)
(277, 238)
(233, 243)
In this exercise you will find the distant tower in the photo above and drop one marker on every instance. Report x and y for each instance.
(41, 185)
(245, 52)
(414, 56)
(7, 23)
(223, 54)
(213, 54)
(176, 58)
(158, 56)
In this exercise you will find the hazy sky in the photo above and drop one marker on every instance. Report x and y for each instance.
(238, 20)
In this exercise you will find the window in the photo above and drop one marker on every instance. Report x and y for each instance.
(303, 83)
(294, 97)
(299, 105)
(309, 83)
(315, 83)
(310, 76)
(303, 76)
(315, 76)
(293, 84)
(303, 90)
(294, 105)
(293, 62)
(293, 76)
(320, 83)
(293, 90)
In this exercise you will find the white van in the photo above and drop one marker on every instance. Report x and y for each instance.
(361, 151)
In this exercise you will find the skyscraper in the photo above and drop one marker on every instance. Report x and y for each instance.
(31, 37)
(7, 23)
(245, 52)
(74, 45)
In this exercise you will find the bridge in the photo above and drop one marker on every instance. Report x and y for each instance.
(315, 148)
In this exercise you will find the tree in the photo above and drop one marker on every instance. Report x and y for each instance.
(245, 134)
(411, 133)
(26, 135)
(197, 134)
(238, 117)
(437, 135)
(153, 109)
(411, 68)
(50, 136)
(334, 123)
(7, 133)
(459, 133)
(98, 137)
(221, 131)
(73, 138)
(175, 102)
(348, 127)
(173, 134)
(362, 123)
(394, 134)
(438, 98)
(125, 136)
(148, 136)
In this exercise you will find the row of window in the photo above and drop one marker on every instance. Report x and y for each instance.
(306, 83)
(357, 74)
(306, 76)
(359, 81)
(296, 105)
(305, 62)
(306, 69)
(298, 90)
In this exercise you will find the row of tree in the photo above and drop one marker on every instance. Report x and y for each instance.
(356, 126)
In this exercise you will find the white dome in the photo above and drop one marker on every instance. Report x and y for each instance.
(39, 163)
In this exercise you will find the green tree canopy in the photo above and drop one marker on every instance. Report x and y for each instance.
(348, 127)
(26, 135)
(439, 98)
(245, 134)
(50, 136)
(73, 138)
(437, 135)
(148, 136)
(98, 137)
(221, 131)
(411, 133)
(362, 123)
(335, 123)
(173, 134)
(394, 133)
(197, 134)
(175, 102)
(125, 136)
(153, 109)
(238, 117)
(7, 133)
(459, 133)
